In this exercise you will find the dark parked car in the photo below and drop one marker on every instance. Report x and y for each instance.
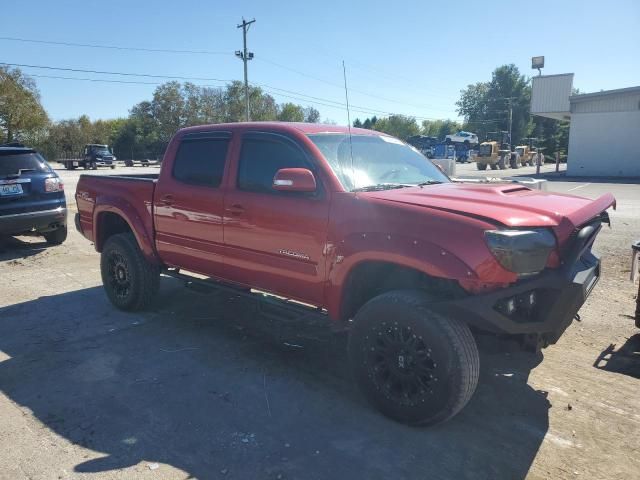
(31, 195)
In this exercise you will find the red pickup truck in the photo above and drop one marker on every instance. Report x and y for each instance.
(359, 229)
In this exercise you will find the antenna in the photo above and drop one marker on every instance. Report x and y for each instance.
(346, 94)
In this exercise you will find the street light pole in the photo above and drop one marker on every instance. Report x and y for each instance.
(245, 56)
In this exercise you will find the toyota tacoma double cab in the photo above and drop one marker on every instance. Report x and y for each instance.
(359, 229)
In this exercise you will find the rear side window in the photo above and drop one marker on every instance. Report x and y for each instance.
(261, 158)
(201, 161)
(12, 163)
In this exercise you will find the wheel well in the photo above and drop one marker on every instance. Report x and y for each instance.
(370, 279)
(109, 224)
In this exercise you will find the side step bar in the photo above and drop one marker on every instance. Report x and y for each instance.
(267, 305)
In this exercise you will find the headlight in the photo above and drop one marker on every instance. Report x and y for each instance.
(524, 252)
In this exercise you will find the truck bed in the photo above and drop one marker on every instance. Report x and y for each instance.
(129, 196)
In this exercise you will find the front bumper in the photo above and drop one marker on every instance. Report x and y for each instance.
(559, 295)
(39, 221)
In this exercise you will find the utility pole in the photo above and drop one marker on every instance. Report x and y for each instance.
(510, 119)
(245, 56)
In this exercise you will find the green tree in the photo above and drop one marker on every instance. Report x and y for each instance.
(440, 128)
(399, 126)
(290, 112)
(311, 115)
(486, 105)
(357, 123)
(20, 110)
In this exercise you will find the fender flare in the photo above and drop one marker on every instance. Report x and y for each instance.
(422, 256)
(122, 208)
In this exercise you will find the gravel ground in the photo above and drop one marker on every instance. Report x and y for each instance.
(202, 387)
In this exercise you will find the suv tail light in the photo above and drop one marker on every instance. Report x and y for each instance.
(53, 185)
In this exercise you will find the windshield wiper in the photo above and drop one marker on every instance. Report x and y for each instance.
(382, 186)
(429, 182)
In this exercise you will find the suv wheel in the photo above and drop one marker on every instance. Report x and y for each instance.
(57, 236)
(130, 281)
(414, 365)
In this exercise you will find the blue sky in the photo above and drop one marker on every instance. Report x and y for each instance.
(408, 57)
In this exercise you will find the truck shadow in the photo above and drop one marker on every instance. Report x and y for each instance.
(198, 385)
(625, 359)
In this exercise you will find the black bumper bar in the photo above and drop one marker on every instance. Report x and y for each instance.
(558, 294)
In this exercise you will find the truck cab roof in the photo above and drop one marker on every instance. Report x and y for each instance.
(305, 128)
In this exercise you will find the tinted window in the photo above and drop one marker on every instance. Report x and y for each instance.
(260, 159)
(12, 163)
(201, 162)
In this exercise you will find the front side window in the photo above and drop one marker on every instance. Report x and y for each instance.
(377, 161)
(201, 161)
(261, 158)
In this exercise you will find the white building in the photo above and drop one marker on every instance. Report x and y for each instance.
(604, 136)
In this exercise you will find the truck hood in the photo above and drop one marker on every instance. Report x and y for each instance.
(511, 204)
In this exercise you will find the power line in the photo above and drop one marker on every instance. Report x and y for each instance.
(335, 105)
(357, 108)
(114, 47)
(100, 80)
(104, 72)
(202, 52)
(336, 85)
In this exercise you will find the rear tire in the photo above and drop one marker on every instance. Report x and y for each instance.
(130, 281)
(413, 364)
(56, 237)
(494, 166)
(481, 166)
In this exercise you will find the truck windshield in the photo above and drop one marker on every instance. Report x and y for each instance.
(485, 149)
(101, 150)
(377, 160)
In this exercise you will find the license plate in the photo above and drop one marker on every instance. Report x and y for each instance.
(11, 189)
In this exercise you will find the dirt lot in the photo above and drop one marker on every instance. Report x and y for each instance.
(203, 387)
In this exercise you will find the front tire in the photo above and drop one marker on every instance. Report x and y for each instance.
(56, 237)
(130, 281)
(481, 166)
(413, 364)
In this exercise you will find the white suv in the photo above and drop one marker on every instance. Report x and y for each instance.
(467, 138)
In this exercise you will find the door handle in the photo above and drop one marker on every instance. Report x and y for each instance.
(167, 200)
(235, 209)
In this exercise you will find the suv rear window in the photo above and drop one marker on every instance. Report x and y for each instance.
(12, 163)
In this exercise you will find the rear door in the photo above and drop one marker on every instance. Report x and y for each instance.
(275, 241)
(189, 202)
(22, 183)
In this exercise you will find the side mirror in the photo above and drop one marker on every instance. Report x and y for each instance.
(294, 180)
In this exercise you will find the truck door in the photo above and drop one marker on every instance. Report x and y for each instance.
(188, 204)
(275, 241)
